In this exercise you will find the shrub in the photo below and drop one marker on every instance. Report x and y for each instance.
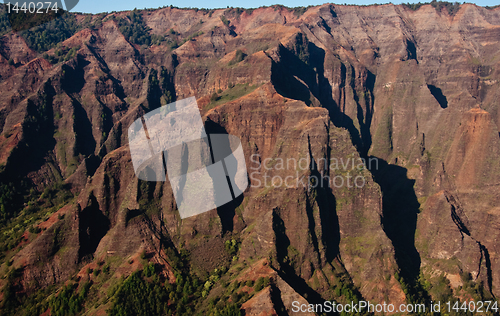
(35, 229)
(214, 97)
(224, 20)
(149, 270)
(238, 57)
(259, 284)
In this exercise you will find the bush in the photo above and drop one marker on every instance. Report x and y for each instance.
(231, 246)
(35, 229)
(259, 284)
(149, 270)
(236, 285)
(224, 20)
(238, 57)
(267, 281)
(214, 97)
(235, 297)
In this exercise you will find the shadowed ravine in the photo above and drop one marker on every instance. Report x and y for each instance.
(399, 201)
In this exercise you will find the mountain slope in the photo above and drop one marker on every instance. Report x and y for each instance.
(412, 93)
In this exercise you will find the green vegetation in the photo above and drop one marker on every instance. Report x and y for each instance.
(61, 54)
(238, 57)
(144, 293)
(413, 6)
(44, 37)
(4, 20)
(298, 11)
(228, 310)
(20, 20)
(232, 246)
(47, 35)
(237, 11)
(476, 290)
(415, 291)
(452, 7)
(190, 37)
(16, 218)
(137, 296)
(8, 197)
(261, 283)
(136, 31)
(233, 93)
(346, 292)
(224, 20)
(148, 202)
(69, 301)
(439, 288)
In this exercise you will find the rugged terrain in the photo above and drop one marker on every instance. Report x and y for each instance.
(413, 91)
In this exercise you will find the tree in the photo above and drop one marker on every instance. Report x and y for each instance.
(259, 285)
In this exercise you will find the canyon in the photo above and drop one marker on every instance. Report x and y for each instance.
(414, 90)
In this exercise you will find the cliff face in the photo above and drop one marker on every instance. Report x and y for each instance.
(412, 93)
